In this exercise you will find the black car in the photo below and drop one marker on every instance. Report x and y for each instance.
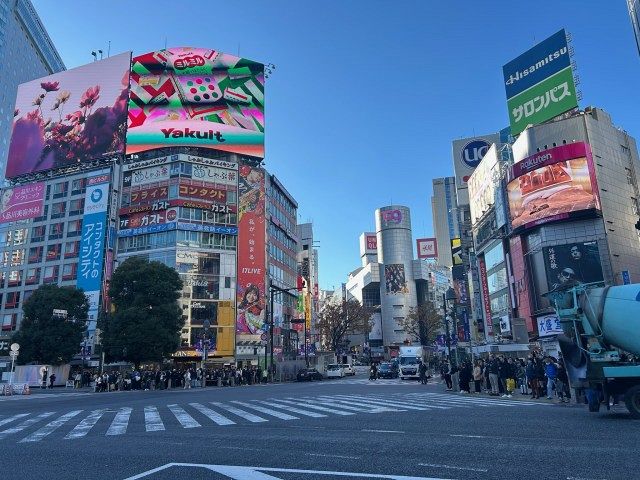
(388, 370)
(308, 375)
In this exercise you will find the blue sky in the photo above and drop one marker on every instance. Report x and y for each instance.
(368, 94)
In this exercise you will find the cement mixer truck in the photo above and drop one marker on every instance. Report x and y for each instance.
(602, 337)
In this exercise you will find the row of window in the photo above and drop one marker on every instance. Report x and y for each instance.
(280, 255)
(286, 222)
(52, 252)
(36, 275)
(61, 189)
(278, 234)
(283, 200)
(56, 230)
(179, 238)
(282, 275)
(207, 216)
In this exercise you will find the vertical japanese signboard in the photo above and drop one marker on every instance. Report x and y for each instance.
(486, 301)
(251, 251)
(92, 243)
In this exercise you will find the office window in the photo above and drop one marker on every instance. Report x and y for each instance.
(33, 276)
(9, 321)
(15, 278)
(53, 251)
(51, 274)
(56, 231)
(58, 210)
(69, 271)
(71, 249)
(18, 236)
(35, 254)
(78, 186)
(17, 257)
(37, 233)
(13, 298)
(60, 189)
(76, 207)
(74, 228)
(45, 212)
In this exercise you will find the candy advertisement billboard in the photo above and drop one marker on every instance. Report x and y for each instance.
(552, 185)
(251, 291)
(70, 117)
(196, 97)
(21, 203)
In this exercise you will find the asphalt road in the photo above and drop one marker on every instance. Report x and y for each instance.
(344, 429)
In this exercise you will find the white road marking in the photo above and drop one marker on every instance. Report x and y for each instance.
(86, 425)
(366, 407)
(268, 411)
(25, 424)
(50, 427)
(383, 431)
(241, 413)
(293, 409)
(4, 421)
(347, 405)
(453, 467)
(471, 436)
(317, 407)
(152, 420)
(212, 415)
(120, 422)
(384, 403)
(332, 456)
(186, 420)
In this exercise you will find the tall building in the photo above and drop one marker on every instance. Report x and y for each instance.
(444, 207)
(26, 52)
(634, 14)
(308, 269)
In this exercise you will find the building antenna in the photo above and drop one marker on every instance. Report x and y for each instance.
(109, 49)
(165, 43)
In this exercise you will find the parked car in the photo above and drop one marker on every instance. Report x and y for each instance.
(348, 369)
(388, 370)
(335, 370)
(308, 375)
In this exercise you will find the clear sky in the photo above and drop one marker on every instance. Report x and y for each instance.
(367, 95)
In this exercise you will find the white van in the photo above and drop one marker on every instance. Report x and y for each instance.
(335, 370)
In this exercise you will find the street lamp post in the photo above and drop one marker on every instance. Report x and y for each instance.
(206, 324)
(450, 295)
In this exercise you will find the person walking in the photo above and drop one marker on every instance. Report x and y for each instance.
(493, 375)
(52, 379)
(521, 374)
(477, 376)
(455, 377)
(551, 372)
(45, 375)
(422, 368)
(562, 382)
(446, 374)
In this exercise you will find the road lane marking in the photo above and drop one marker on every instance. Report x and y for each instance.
(389, 403)
(186, 420)
(317, 407)
(453, 467)
(25, 424)
(347, 405)
(152, 420)
(268, 411)
(50, 427)
(332, 456)
(471, 436)
(120, 422)
(382, 431)
(293, 409)
(212, 415)
(86, 425)
(240, 413)
(11, 419)
(366, 407)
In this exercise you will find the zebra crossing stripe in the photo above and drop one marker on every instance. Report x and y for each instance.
(241, 413)
(373, 402)
(186, 420)
(306, 413)
(467, 400)
(268, 411)
(25, 424)
(337, 402)
(212, 415)
(50, 427)
(409, 404)
(152, 420)
(86, 425)
(119, 424)
(317, 407)
(4, 421)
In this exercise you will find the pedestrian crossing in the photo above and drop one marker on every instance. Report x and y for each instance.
(78, 424)
(366, 381)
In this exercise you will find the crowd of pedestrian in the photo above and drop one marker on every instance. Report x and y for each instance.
(164, 379)
(499, 375)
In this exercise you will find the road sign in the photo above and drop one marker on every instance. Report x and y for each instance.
(15, 347)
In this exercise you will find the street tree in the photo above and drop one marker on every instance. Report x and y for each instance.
(336, 320)
(146, 320)
(50, 339)
(423, 323)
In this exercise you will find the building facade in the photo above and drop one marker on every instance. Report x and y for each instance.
(634, 14)
(26, 52)
(444, 205)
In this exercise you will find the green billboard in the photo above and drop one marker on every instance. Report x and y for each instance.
(543, 101)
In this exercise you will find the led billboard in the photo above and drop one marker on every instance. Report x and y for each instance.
(482, 184)
(539, 83)
(551, 185)
(196, 97)
(70, 117)
(21, 203)
(572, 263)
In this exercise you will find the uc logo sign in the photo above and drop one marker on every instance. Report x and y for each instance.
(96, 195)
(473, 152)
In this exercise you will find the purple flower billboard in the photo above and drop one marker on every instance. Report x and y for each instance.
(70, 117)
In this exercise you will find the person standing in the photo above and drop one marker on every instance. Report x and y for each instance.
(422, 368)
(493, 375)
(551, 372)
(45, 375)
(562, 382)
(455, 377)
(477, 376)
(52, 379)
(446, 373)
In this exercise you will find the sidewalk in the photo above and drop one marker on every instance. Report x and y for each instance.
(517, 396)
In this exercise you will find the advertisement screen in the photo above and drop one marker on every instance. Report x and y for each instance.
(21, 203)
(456, 251)
(395, 279)
(427, 247)
(70, 117)
(482, 184)
(251, 251)
(552, 185)
(574, 262)
(196, 97)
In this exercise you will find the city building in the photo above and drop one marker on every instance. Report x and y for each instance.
(634, 14)
(586, 232)
(308, 270)
(26, 52)
(444, 207)
(390, 280)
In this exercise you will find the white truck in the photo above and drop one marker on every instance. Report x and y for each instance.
(409, 359)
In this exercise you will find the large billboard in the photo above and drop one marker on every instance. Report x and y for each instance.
(196, 97)
(467, 154)
(482, 184)
(571, 263)
(539, 83)
(551, 185)
(70, 117)
(395, 279)
(21, 203)
(427, 247)
(251, 251)
(92, 243)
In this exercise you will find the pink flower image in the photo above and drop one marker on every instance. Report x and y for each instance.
(75, 117)
(50, 86)
(90, 97)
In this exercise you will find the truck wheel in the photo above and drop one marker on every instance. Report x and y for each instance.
(632, 400)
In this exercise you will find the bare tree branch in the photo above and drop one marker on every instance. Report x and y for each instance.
(337, 320)
(423, 323)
